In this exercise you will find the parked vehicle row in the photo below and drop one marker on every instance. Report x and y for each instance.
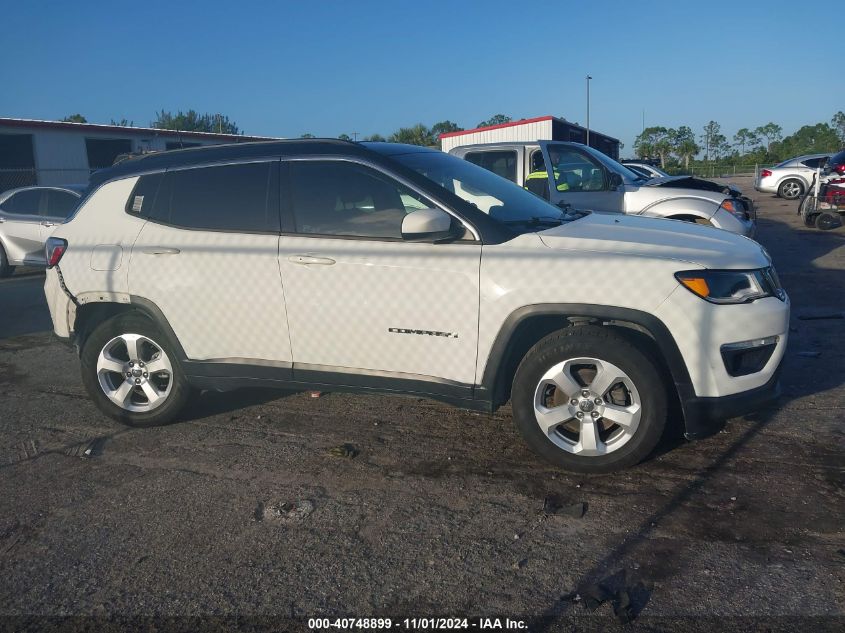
(384, 267)
(585, 178)
(27, 217)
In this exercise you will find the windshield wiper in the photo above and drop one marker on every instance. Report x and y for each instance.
(537, 221)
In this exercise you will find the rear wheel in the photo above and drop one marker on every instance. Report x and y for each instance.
(5, 269)
(791, 189)
(130, 369)
(586, 399)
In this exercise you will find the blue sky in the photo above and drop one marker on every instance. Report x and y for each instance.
(285, 68)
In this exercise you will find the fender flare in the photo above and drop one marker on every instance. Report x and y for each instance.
(654, 327)
(682, 205)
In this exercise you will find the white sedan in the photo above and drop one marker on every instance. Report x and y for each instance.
(27, 218)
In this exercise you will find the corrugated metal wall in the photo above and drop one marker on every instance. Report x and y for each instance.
(527, 133)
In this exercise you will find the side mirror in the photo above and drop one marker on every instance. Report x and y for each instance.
(428, 225)
(614, 181)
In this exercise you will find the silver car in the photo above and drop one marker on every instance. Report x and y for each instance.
(791, 178)
(27, 217)
(584, 178)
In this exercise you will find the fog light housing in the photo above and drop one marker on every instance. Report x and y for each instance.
(748, 357)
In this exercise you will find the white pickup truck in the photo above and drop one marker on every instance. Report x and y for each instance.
(585, 178)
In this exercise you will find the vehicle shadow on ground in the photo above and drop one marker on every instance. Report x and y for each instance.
(211, 403)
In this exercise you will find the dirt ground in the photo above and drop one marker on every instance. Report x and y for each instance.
(244, 510)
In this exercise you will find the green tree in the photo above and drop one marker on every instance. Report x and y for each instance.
(122, 123)
(307, 135)
(684, 145)
(375, 138)
(418, 134)
(711, 131)
(193, 121)
(75, 118)
(496, 119)
(810, 139)
(654, 141)
(745, 138)
(345, 137)
(838, 122)
(444, 127)
(772, 132)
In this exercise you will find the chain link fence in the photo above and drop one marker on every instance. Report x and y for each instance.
(721, 171)
(14, 178)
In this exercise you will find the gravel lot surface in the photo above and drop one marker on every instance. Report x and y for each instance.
(252, 506)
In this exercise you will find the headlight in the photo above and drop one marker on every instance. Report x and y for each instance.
(732, 286)
(735, 208)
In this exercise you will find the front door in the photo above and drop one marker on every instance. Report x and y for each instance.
(361, 300)
(578, 179)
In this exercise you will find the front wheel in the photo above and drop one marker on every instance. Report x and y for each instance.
(588, 400)
(130, 370)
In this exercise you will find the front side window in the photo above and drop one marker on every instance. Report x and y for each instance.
(233, 198)
(812, 163)
(60, 204)
(500, 162)
(347, 199)
(24, 202)
(575, 171)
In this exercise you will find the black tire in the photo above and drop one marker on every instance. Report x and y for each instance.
(5, 269)
(791, 189)
(827, 220)
(608, 345)
(135, 323)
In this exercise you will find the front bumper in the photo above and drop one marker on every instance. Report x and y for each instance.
(706, 416)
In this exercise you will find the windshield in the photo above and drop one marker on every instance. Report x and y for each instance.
(501, 199)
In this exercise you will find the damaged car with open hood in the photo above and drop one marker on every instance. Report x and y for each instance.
(584, 178)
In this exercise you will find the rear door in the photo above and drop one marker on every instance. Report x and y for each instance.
(56, 206)
(208, 258)
(577, 178)
(21, 223)
(364, 305)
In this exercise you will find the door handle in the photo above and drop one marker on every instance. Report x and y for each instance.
(306, 260)
(45, 223)
(160, 250)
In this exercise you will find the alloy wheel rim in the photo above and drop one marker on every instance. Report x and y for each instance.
(587, 406)
(791, 190)
(135, 373)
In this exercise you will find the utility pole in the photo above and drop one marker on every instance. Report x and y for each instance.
(588, 110)
(643, 130)
(355, 136)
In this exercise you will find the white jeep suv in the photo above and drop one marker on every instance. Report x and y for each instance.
(339, 266)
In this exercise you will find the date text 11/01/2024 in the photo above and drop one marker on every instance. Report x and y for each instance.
(492, 624)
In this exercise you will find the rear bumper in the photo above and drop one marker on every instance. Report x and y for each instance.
(706, 416)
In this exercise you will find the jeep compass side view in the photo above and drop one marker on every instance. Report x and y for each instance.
(329, 265)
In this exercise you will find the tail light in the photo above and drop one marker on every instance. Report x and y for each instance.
(840, 169)
(54, 249)
(765, 173)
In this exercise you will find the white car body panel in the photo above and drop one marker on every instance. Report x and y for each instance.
(359, 313)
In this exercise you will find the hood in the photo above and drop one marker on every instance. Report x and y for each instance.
(653, 237)
(690, 182)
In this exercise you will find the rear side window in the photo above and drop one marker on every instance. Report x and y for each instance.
(60, 204)
(502, 163)
(24, 202)
(238, 198)
(812, 163)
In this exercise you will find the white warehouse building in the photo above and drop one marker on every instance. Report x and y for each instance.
(34, 152)
(544, 128)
